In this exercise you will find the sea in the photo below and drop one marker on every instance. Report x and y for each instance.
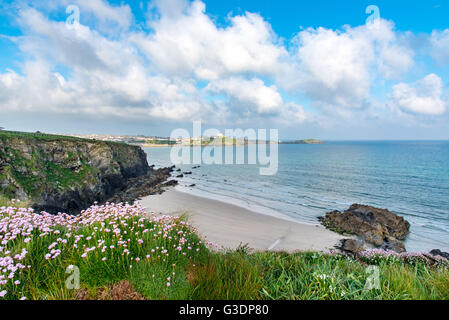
(410, 178)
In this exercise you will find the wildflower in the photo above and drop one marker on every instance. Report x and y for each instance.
(2, 293)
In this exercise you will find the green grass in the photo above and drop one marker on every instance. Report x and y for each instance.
(317, 276)
(38, 136)
(201, 273)
(6, 202)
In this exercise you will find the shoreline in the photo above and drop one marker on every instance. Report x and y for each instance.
(228, 225)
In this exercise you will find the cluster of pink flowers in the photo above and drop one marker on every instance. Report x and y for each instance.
(410, 257)
(111, 232)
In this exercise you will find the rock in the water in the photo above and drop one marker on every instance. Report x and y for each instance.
(351, 245)
(188, 172)
(437, 252)
(380, 227)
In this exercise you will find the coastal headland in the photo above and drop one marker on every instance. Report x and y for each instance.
(68, 174)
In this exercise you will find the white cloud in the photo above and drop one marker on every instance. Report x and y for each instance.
(439, 41)
(109, 18)
(106, 77)
(338, 68)
(170, 72)
(186, 41)
(252, 93)
(422, 97)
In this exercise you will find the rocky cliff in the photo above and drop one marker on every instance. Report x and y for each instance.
(57, 173)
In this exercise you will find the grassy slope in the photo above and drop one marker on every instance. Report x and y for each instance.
(5, 202)
(195, 272)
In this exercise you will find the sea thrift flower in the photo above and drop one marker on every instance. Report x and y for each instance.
(22, 226)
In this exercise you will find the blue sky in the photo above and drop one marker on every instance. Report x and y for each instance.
(308, 68)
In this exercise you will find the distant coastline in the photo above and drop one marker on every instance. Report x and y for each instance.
(164, 142)
(305, 141)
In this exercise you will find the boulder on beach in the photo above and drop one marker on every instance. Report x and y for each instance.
(379, 227)
(351, 245)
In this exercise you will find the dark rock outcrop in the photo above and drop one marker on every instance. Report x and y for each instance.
(380, 227)
(437, 252)
(65, 174)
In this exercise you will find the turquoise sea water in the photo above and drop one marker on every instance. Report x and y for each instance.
(409, 178)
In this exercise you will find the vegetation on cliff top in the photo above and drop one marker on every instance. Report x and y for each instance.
(45, 137)
(117, 248)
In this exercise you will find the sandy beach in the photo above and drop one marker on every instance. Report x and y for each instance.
(228, 225)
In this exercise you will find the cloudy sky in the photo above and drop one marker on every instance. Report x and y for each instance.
(322, 69)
